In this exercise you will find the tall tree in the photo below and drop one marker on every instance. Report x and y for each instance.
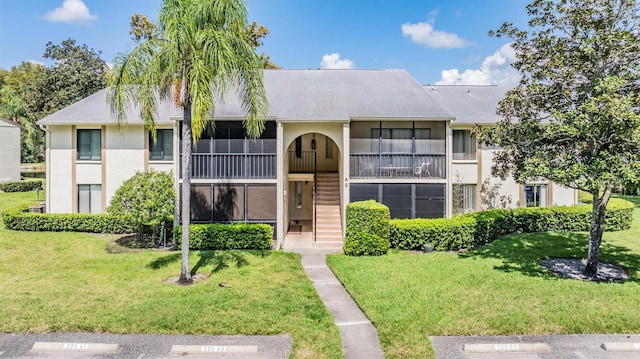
(201, 54)
(19, 90)
(255, 33)
(78, 72)
(574, 117)
(13, 108)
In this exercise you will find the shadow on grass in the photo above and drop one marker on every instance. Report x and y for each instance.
(165, 261)
(522, 252)
(218, 259)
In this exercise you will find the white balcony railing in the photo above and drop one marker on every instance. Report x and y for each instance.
(233, 166)
(406, 165)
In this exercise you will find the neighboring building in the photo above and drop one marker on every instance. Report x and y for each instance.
(9, 151)
(331, 137)
(471, 163)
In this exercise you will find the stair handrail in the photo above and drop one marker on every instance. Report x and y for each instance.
(315, 184)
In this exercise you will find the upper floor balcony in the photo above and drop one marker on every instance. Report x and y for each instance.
(401, 150)
(233, 159)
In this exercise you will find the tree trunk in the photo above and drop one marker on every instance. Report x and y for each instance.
(596, 231)
(185, 203)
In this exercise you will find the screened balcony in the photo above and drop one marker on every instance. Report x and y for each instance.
(225, 152)
(398, 150)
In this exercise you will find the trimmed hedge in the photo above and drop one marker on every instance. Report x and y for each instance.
(20, 186)
(20, 220)
(218, 236)
(441, 233)
(476, 229)
(201, 236)
(367, 229)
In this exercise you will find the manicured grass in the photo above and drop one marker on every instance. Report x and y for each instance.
(494, 290)
(68, 282)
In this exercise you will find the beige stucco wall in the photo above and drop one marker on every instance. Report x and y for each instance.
(59, 170)
(560, 196)
(9, 152)
(464, 172)
(123, 153)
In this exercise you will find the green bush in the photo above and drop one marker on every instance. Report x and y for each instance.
(219, 236)
(367, 229)
(147, 197)
(20, 186)
(20, 220)
(441, 233)
(476, 229)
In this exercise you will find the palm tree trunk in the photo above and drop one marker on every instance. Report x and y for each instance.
(185, 203)
(596, 231)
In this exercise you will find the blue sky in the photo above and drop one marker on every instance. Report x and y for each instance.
(442, 41)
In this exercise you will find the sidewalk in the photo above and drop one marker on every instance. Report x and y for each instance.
(359, 336)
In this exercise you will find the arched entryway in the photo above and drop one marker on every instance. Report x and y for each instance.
(313, 192)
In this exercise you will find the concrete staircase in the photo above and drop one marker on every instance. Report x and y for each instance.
(328, 216)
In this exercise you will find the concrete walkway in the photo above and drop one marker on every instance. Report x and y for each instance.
(359, 336)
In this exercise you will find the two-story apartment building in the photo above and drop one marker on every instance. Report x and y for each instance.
(331, 137)
(9, 151)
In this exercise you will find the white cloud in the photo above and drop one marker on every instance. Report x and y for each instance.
(333, 61)
(36, 62)
(424, 34)
(495, 70)
(71, 11)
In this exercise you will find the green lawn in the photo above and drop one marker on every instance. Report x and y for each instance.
(68, 282)
(494, 290)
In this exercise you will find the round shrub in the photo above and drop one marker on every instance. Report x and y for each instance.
(367, 229)
(147, 197)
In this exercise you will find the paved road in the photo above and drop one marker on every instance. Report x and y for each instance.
(80, 345)
(578, 346)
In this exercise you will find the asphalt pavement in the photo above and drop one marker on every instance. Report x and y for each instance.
(572, 346)
(139, 346)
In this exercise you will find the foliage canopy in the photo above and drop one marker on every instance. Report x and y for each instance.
(574, 117)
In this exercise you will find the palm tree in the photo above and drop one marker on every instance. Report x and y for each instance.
(200, 54)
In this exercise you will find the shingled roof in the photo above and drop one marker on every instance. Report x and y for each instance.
(469, 104)
(296, 95)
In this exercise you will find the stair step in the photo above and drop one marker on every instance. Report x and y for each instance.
(329, 228)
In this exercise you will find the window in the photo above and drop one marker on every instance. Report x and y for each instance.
(228, 202)
(535, 195)
(398, 198)
(464, 145)
(89, 145)
(464, 198)
(298, 194)
(89, 198)
(404, 200)
(392, 140)
(299, 147)
(201, 202)
(430, 200)
(263, 201)
(162, 149)
(328, 148)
